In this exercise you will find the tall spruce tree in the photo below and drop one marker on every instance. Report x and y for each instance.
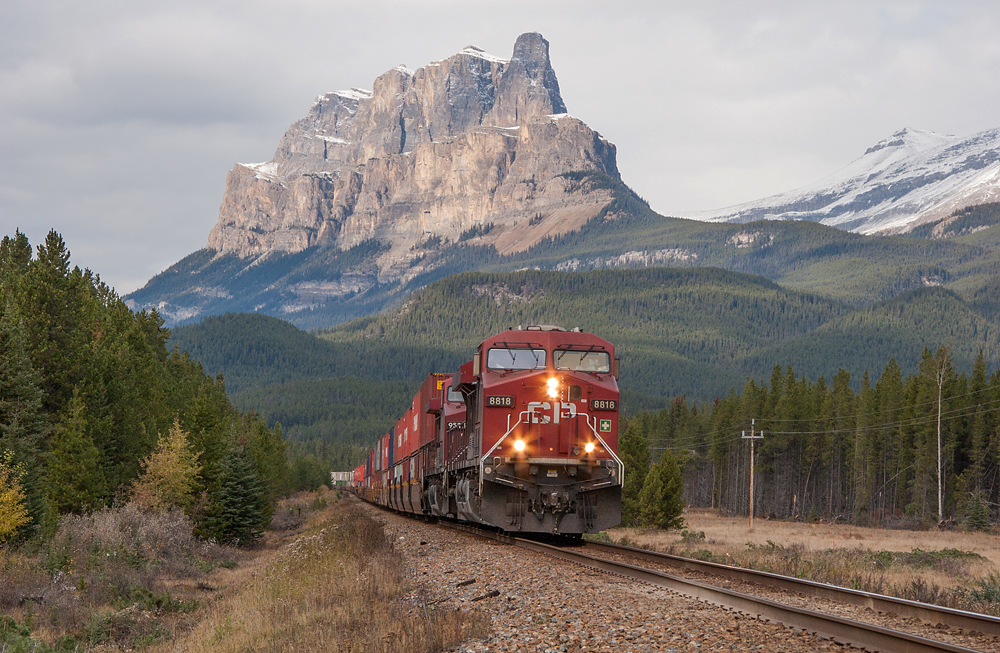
(633, 449)
(22, 424)
(238, 508)
(75, 473)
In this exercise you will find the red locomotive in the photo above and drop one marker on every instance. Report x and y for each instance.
(523, 437)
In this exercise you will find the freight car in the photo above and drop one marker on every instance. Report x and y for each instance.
(523, 437)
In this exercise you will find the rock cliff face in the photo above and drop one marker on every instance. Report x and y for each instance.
(425, 156)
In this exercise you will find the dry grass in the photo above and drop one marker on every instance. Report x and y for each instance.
(339, 586)
(951, 568)
(327, 578)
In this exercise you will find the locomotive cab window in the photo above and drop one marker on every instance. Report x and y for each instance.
(515, 359)
(455, 396)
(577, 360)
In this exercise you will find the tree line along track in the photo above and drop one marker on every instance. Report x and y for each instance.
(859, 634)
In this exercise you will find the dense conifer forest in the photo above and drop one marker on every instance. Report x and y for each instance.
(94, 407)
(874, 455)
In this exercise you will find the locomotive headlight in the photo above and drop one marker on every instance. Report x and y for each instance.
(553, 387)
(589, 448)
(519, 445)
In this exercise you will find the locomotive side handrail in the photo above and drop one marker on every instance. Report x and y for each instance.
(621, 465)
(482, 460)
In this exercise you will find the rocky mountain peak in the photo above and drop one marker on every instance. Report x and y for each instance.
(469, 144)
(529, 85)
(915, 139)
(908, 179)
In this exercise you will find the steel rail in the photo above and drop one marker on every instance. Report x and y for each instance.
(932, 614)
(845, 631)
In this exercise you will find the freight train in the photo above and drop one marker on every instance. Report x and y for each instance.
(523, 438)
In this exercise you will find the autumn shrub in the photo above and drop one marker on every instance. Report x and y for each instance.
(101, 576)
(984, 595)
(287, 518)
(169, 474)
(131, 542)
(21, 581)
(13, 510)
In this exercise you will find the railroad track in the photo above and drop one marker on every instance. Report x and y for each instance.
(859, 634)
(855, 633)
(970, 622)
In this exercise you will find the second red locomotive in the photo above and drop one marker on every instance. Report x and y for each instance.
(524, 437)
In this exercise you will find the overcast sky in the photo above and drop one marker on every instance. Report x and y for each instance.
(119, 119)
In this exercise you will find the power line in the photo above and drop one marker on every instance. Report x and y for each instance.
(889, 410)
(695, 440)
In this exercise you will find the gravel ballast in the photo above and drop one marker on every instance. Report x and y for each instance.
(537, 603)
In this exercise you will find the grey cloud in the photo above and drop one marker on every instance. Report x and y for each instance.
(119, 120)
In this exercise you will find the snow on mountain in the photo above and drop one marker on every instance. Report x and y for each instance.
(905, 180)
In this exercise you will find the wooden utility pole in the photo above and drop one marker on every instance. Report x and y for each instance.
(753, 436)
(940, 375)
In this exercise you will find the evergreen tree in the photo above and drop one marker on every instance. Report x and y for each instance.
(238, 507)
(977, 514)
(661, 500)
(15, 255)
(22, 424)
(58, 306)
(267, 450)
(308, 472)
(75, 475)
(633, 449)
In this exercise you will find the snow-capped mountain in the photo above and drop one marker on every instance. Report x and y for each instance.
(908, 179)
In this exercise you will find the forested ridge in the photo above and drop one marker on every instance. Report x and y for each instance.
(94, 409)
(691, 332)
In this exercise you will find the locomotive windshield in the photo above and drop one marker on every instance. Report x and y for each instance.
(515, 359)
(582, 361)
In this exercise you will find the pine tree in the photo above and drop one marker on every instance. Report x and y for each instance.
(977, 514)
(633, 449)
(22, 424)
(76, 479)
(661, 500)
(270, 458)
(238, 507)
